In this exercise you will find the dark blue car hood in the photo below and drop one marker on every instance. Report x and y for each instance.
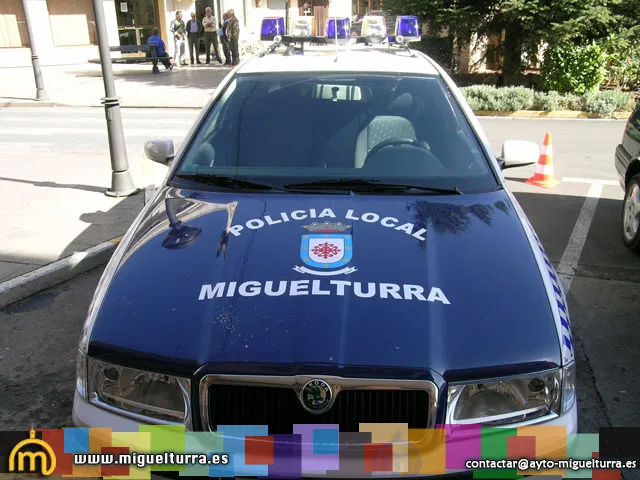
(447, 283)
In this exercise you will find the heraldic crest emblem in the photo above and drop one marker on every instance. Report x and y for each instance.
(327, 248)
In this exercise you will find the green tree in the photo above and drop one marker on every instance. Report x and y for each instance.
(526, 24)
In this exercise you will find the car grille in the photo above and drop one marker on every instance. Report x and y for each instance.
(280, 409)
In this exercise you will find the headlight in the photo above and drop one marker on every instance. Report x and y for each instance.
(568, 387)
(514, 400)
(145, 396)
(81, 374)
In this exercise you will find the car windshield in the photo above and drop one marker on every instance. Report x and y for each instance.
(294, 128)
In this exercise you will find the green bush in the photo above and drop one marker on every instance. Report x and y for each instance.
(510, 99)
(622, 63)
(507, 99)
(572, 102)
(547, 101)
(607, 102)
(573, 69)
(480, 97)
(515, 98)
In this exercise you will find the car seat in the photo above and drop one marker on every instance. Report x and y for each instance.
(385, 127)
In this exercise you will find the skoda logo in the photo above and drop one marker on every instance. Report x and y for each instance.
(316, 396)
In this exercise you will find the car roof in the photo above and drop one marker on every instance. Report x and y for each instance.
(353, 59)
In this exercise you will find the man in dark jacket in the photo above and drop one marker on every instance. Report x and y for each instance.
(194, 30)
(224, 40)
(233, 33)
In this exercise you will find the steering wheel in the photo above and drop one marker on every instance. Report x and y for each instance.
(396, 142)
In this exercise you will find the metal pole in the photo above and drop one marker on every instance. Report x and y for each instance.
(121, 181)
(40, 93)
(286, 18)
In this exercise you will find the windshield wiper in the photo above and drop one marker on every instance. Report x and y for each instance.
(226, 181)
(372, 185)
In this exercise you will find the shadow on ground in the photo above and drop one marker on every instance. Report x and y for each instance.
(87, 188)
(202, 76)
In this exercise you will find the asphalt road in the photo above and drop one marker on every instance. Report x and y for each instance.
(578, 222)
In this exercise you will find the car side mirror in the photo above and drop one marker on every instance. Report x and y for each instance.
(159, 150)
(518, 153)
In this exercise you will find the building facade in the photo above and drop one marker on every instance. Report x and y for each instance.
(65, 30)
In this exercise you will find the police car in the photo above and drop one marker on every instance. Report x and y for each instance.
(334, 242)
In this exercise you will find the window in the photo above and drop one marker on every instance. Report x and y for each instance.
(294, 127)
(136, 20)
(633, 126)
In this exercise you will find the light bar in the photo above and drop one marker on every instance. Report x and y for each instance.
(407, 29)
(304, 27)
(374, 28)
(374, 31)
(342, 28)
(271, 27)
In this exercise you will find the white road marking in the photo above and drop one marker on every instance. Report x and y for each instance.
(42, 112)
(13, 145)
(571, 256)
(128, 132)
(69, 120)
(589, 180)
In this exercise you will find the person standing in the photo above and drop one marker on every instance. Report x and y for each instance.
(178, 30)
(233, 35)
(223, 39)
(210, 35)
(194, 29)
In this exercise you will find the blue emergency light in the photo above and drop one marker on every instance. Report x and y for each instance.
(343, 28)
(408, 29)
(374, 30)
(271, 27)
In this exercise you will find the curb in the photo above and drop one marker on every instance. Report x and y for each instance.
(62, 270)
(567, 114)
(36, 103)
(57, 272)
(31, 103)
(554, 114)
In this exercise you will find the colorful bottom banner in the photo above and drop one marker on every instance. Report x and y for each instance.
(250, 450)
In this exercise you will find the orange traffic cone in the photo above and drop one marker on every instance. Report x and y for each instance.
(544, 168)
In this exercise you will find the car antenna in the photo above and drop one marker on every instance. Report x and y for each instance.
(335, 21)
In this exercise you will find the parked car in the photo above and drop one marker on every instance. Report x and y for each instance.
(335, 242)
(627, 162)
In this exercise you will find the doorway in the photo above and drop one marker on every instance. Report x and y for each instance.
(136, 20)
(201, 6)
(319, 9)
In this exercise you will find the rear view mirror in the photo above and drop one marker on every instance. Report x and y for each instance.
(518, 153)
(338, 93)
(159, 150)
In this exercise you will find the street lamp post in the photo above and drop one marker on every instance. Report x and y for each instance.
(121, 181)
(286, 18)
(40, 93)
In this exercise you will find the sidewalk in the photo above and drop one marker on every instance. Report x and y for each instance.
(136, 86)
(58, 222)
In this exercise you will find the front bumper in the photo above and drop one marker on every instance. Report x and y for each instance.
(88, 415)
